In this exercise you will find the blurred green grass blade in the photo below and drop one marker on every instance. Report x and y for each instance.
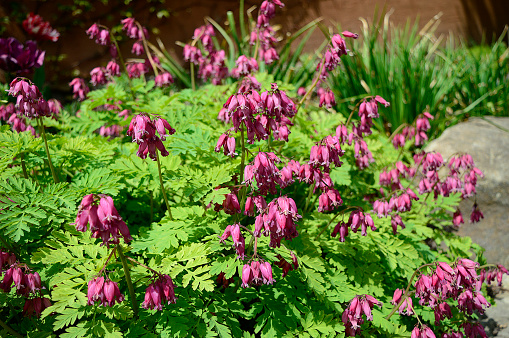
(233, 30)
(231, 47)
(241, 21)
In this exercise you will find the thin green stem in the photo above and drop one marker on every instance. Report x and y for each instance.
(43, 133)
(403, 125)
(107, 260)
(123, 66)
(193, 84)
(147, 50)
(141, 264)
(241, 19)
(9, 329)
(23, 165)
(405, 294)
(308, 199)
(127, 275)
(327, 225)
(255, 250)
(243, 191)
(162, 187)
(151, 207)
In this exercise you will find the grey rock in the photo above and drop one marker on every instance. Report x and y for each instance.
(488, 144)
(487, 141)
(497, 317)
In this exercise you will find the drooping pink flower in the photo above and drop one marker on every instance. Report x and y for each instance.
(163, 79)
(103, 291)
(476, 214)
(79, 88)
(93, 31)
(137, 48)
(98, 76)
(105, 222)
(457, 218)
(35, 306)
(422, 332)
(353, 315)
(112, 69)
(159, 292)
(245, 66)
(143, 131)
(239, 242)
(29, 100)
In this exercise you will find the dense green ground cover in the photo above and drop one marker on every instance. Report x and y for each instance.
(181, 209)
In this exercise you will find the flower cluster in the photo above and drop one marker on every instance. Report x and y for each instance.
(245, 66)
(422, 332)
(143, 131)
(257, 273)
(278, 221)
(406, 307)
(286, 266)
(79, 88)
(18, 58)
(358, 219)
(263, 169)
(99, 212)
(40, 29)
(261, 115)
(103, 291)
(239, 242)
(461, 178)
(264, 34)
(493, 274)
(159, 292)
(460, 283)
(331, 59)
(29, 100)
(27, 283)
(101, 35)
(422, 125)
(137, 69)
(353, 316)
(326, 98)
(9, 114)
(211, 63)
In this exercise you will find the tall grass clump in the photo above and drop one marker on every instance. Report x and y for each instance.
(417, 71)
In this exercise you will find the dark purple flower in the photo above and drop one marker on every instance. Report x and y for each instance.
(19, 59)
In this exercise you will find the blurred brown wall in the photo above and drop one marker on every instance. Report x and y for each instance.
(467, 18)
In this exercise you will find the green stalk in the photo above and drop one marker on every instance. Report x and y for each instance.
(43, 133)
(242, 165)
(127, 275)
(308, 199)
(9, 329)
(162, 187)
(7, 246)
(193, 85)
(23, 165)
(241, 20)
(147, 50)
(406, 290)
(124, 67)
